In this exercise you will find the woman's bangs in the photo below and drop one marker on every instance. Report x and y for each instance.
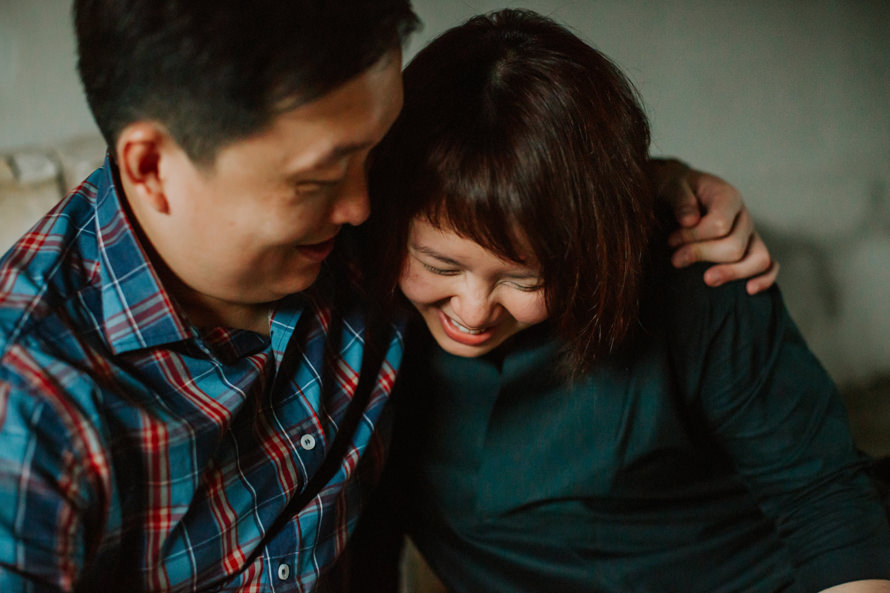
(478, 199)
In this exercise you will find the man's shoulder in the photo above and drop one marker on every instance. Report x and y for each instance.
(47, 269)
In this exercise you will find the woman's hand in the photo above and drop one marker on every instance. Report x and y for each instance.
(868, 586)
(715, 226)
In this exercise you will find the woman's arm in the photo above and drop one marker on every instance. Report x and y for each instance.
(715, 226)
(775, 413)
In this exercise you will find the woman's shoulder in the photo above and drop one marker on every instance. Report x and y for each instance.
(690, 313)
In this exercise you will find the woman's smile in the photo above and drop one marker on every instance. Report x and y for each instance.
(471, 299)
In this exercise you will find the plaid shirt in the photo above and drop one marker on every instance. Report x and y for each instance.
(138, 453)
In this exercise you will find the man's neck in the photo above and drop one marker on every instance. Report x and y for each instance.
(203, 311)
(206, 312)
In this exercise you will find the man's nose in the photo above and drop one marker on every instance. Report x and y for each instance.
(353, 206)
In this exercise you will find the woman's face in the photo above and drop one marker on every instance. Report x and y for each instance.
(470, 298)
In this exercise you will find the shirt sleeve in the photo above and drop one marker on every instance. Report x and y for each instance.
(41, 492)
(782, 422)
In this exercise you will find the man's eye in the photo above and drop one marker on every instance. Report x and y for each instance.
(314, 187)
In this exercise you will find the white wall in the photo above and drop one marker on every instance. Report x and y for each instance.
(790, 100)
(40, 95)
(762, 92)
(759, 91)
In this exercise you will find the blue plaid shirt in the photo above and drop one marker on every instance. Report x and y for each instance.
(139, 453)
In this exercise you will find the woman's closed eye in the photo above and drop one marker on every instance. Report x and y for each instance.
(438, 270)
(530, 286)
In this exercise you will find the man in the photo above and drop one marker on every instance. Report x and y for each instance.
(191, 396)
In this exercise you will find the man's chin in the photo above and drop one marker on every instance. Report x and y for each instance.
(299, 283)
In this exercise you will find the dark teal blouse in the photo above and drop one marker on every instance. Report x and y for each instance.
(714, 455)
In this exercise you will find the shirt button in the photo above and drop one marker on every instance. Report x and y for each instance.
(283, 571)
(307, 441)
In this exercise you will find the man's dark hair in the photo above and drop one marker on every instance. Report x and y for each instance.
(518, 135)
(215, 71)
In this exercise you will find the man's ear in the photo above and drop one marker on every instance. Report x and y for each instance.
(140, 148)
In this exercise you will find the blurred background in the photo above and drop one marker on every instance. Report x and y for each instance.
(788, 99)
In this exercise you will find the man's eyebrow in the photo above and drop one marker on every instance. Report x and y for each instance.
(329, 158)
(338, 153)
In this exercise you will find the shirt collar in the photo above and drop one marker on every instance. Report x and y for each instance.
(136, 310)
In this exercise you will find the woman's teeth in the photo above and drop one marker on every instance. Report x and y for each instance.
(464, 329)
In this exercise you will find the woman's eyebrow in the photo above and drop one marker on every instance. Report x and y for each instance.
(434, 254)
(523, 275)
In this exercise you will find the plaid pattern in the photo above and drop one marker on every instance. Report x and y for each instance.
(140, 454)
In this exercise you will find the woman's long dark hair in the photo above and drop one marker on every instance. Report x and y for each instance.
(515, 133)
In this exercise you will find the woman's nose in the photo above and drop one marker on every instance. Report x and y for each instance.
(473, 307)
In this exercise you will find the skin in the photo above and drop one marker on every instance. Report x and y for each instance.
(866, 586)
(471, 300)
(715, 226)
(231, 239)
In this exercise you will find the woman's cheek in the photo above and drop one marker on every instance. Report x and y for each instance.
(532, 311)
(413, 284)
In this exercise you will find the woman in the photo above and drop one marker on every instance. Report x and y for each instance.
(582, 417)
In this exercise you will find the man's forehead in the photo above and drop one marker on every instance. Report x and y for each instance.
(333, 156)
(351, 118)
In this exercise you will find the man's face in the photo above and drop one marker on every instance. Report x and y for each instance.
(256, 225)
